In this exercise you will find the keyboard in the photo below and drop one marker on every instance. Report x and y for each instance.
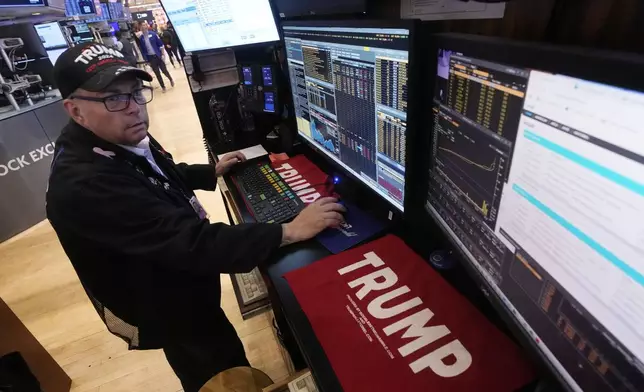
(251, 287)
(266, 195)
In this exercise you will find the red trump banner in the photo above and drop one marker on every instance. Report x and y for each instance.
(388, 322)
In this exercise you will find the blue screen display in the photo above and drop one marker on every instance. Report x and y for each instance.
(248, 76)
(269, 102)
(267, 75)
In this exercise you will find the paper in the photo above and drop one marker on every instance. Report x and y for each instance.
(304, 383)
(250, 152)
(449, 9)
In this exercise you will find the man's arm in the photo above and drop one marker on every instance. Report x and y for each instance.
(201, 177)
(114, 211)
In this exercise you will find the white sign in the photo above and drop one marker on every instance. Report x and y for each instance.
(449, 9)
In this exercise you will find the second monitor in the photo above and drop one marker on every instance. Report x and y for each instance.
(350, 92)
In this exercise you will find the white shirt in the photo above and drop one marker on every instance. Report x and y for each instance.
(143, 150)
(148, 45)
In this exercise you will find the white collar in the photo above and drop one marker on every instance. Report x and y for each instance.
(140, 149)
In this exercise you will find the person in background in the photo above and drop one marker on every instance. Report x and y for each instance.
(174, 43)
(124, 45)
(152, 51)
(168, 39)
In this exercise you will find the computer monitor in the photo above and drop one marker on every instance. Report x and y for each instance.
(51, 36)
(204, 25)
(78, 32)
(537, 178)
(291, 8)
(350, 92)
(79, 7)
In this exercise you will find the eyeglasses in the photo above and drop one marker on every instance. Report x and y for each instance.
(120, 102)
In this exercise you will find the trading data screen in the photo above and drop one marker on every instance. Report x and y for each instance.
(214, 24)
(350, 93)
(539, 178)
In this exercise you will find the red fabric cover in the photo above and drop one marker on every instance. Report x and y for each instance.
(306, 179)
(497, 364)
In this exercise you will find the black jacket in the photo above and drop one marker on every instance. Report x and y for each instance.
(148, 263)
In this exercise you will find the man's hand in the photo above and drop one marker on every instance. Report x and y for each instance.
(228, 161)
(322, 214)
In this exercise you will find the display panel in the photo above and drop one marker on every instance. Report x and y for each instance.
(204, 25)
(269, 102)
(51, 36)
(290, 8)
(539, 179)
(18, 3)
(116, 11)
(102, 14)
(79, 7)
(77, 31)
(350, 93)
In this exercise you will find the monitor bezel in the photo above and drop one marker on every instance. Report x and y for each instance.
(276, 20)
(590, 64)
(413, 114)
(352, 9)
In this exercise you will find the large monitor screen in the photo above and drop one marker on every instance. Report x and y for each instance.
(215, 24)
(51, 36)
(290, 8)
(538, 177)
(350, 93)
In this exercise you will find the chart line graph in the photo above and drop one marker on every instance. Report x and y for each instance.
(489, 168)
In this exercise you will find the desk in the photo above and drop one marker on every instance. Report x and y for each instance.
(284, 303)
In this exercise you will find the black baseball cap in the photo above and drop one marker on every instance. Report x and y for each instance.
(93, 67)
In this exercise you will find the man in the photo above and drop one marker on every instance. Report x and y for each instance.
(170, 41)
(166, 37)
(128, 219)
(152, 52)
(124, 45)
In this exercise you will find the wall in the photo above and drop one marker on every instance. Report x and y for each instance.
(609, 24)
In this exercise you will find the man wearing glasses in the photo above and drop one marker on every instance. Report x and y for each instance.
(128, 219)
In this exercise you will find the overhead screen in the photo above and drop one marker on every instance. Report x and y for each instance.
(18, 3)
(350, 92)
(539, 178)
(79, 7)
(290, 8)
(205, 25)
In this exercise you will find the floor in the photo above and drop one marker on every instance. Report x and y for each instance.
(38, 282)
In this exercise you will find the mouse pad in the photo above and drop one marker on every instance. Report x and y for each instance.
(358, 227)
